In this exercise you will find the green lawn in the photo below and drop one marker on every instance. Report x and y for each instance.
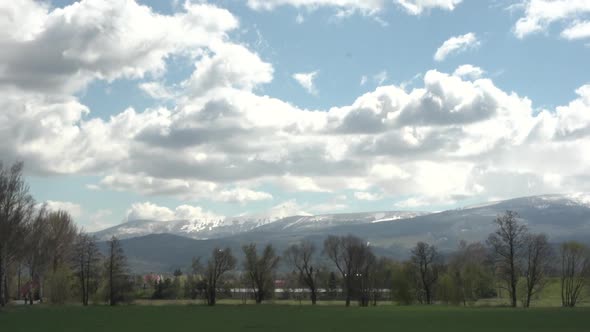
(290, 318)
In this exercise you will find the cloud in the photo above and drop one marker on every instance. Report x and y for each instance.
(75, 210)
(151, 211)
(367, 196)
(417, 7)
(67, 48)
(231, 65)
(156, 90)
(381, 77)
(306, 80)
(456, 45)
(363, 80)
(578, 30)
(365, 7)
(469, 72)
(540, 14)
(241, 195)
(448, 137)
(299, 19)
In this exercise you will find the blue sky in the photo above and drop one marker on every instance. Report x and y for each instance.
(135, 108)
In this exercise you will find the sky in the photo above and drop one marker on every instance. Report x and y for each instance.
(132, 109)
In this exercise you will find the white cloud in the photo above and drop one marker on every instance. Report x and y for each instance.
(365, 7)
(151, 211)
(446, 138)
(367, 196)
(75, 210)
(231, 65)
(469, 72)
(381, 77)
(241, 195)
(306, 80)
(456, 45)
(540, 14)
(106, 40)
(363, 80)
(299, 19)
(578, 30)
(417, 7)
(156, 90)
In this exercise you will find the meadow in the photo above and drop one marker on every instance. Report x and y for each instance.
(294, 318)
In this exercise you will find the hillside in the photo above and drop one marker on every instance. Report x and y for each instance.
(560, 217)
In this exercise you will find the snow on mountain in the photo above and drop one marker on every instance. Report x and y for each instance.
(549, 213)
(216, 228)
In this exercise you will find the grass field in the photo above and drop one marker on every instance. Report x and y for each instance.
(290, 318)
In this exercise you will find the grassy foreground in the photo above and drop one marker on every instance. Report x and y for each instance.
(291, 318)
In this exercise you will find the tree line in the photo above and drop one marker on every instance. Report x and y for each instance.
(513, 261)
(43, 252)
(44, 256)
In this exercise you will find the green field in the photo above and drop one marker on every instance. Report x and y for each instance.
(290, 318)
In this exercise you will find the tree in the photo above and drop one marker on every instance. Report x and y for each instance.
(16, 210)
(221, 261)
(116, 272)
(403, 283)
(470, 273)
(575, 272)
(260, 270)
(538, 255)
(61, 235)
(36, 253)
(86, 259)
(507, 243)
(300, 256)
(352, 257)
(426, 260)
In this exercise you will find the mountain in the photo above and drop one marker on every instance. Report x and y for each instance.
(561, 217)
(209, 229)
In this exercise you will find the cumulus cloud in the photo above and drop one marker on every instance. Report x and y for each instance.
(151, 211)
(540, 14)
(456, 44)
(449, 137)
(469, 71)
(67, 48)
(306, 80)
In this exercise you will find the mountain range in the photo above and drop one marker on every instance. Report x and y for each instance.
(161, 246)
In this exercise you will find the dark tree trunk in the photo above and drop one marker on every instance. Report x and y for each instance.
(313, 295)
(2, 295)
(211, 298)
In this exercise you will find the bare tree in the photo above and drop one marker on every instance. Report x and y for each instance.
(301, 257)
(352, 257)
(86, 259)
(220, 262)
(507, 243)
(61, 234)
(427, 262)
(260, 269)
(16, 209)
(116, 272)
(575, 272)
(538, 254)
(37, 253)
